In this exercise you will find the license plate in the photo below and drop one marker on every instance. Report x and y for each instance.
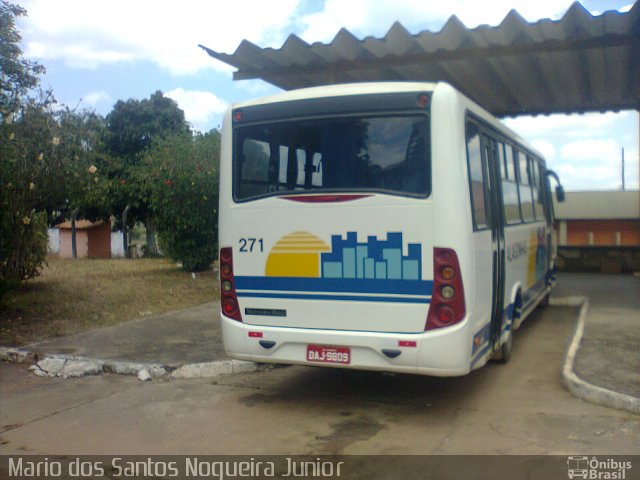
(328, 354)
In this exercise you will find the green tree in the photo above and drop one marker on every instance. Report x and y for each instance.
(183, 182)
(17, 75)
(132, 127)
(49, 160)
(22, 228)
(47, 166)
(82, 163)
(58, 150)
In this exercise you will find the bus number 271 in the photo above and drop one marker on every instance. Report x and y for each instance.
(249, 245)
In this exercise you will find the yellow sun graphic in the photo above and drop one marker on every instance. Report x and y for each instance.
(296, 255)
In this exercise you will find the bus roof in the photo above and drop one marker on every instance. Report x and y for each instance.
(339, 90)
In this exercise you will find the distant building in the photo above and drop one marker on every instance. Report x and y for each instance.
(599, 231)
(93, 239)
(599, 219)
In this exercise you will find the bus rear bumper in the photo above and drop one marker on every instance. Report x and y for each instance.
(445, 352)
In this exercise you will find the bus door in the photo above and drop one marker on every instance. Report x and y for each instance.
(491, 166)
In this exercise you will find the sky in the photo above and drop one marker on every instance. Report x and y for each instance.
(101, 51)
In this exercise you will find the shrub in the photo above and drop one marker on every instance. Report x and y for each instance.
(23, 247)
(184, 197)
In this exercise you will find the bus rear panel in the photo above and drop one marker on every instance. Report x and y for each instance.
(346, 231)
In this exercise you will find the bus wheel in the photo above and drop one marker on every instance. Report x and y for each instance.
(503, 354)
(545, 301)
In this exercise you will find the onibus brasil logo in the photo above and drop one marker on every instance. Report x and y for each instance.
(595, 468)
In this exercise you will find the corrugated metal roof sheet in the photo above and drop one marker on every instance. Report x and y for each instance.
(576, 64)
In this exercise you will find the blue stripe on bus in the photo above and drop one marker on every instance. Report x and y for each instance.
(337, 285)
(532, 294)
(480, 355)
(356, 298)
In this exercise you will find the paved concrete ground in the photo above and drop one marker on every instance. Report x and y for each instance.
(517, 408)
(173, 339)
(607, 354)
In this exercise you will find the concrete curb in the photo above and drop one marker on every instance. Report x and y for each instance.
(215, 369)
(576, 385)
(72, 366)
(16, 355)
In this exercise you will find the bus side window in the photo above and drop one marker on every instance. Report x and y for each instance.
(476, 178)
(511, 195)
(509, 186)
(501, 160)
(539, 190)
(524, 187)
(533, 176)
(511, 170)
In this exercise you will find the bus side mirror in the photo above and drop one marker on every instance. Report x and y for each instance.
(559, 187)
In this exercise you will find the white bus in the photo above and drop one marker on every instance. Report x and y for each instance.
(385, 226)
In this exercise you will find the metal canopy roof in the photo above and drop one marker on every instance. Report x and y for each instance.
(576, 64)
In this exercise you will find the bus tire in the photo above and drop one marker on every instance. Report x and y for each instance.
(503, 354)
(545, 301)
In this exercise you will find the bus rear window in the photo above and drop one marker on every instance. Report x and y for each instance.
(379, 153)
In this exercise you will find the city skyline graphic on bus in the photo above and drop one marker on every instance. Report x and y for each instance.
(302, 266)
(302, 254)
(375, 259)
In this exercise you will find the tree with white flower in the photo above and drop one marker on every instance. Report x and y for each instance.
(45, 154)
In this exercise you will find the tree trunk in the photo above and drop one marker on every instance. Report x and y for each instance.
(152, 247)
(125, 233)
(74, 243)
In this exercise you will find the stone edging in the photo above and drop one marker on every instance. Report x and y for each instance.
(71, 366)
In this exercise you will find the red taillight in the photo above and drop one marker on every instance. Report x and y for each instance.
(447, 298)
(228, 297)
(226, 256)
(229, 306)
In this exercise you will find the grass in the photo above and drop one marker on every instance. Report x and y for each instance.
(72, 296)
